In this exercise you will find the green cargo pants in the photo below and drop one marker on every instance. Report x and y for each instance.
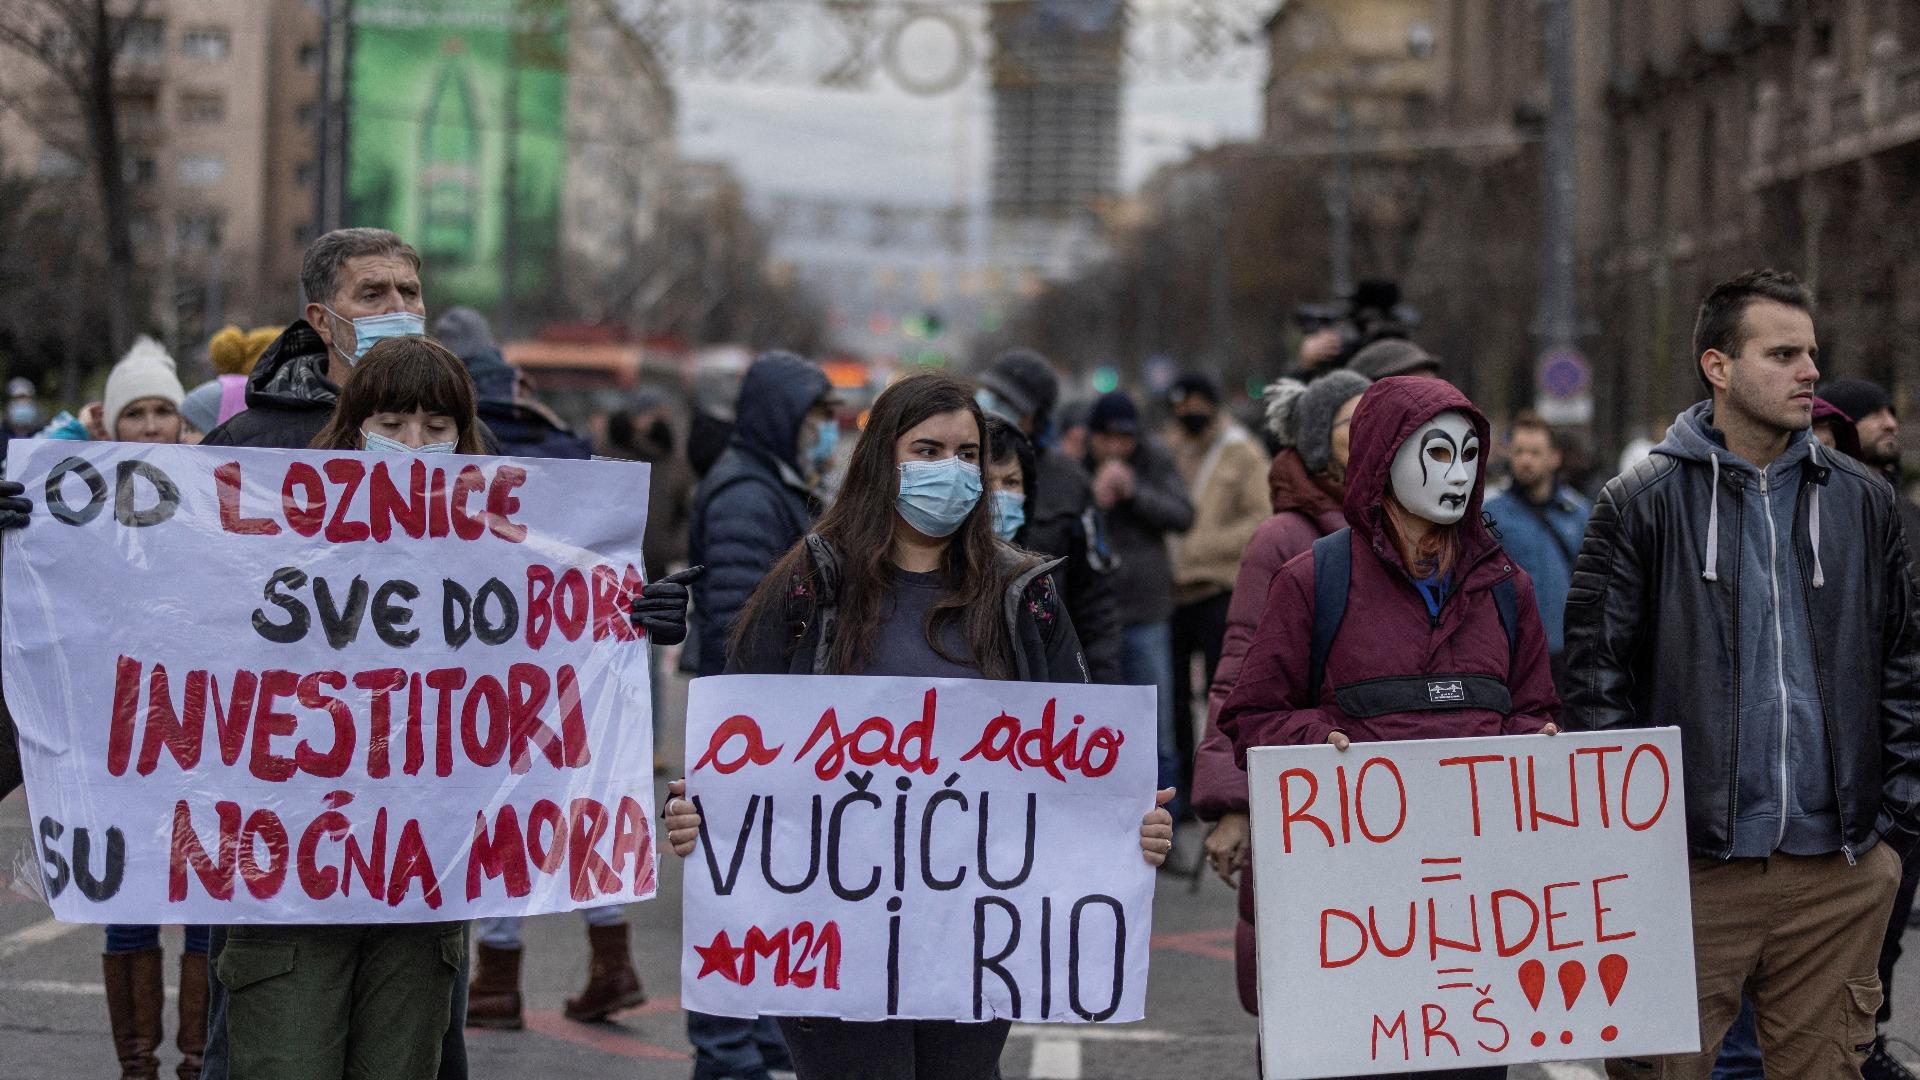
(366, 1002)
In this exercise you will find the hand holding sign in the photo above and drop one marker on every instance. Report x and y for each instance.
(683, 819)
(661, 607)
(15, 508)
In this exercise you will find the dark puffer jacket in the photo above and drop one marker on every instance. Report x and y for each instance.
(289, 397)
(1045, 647)
(1387, 632)
(1650, 640)
(753, 505)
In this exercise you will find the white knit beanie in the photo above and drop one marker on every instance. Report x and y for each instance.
(146, 371)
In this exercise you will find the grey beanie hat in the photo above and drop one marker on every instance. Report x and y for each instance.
(201, 406)
(1300, 415)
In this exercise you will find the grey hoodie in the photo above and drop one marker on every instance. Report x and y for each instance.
(1786, 786)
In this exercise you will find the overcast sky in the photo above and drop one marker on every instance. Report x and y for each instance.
(887, 145)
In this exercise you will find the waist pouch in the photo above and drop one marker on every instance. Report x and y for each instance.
(1423, 693)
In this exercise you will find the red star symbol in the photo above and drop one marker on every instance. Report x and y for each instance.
(720, 957)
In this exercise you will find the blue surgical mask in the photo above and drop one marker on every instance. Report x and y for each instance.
(826, 437)
(370, 330)
(380, 444)
(22, 414)
(1009, 513)
(936, 496)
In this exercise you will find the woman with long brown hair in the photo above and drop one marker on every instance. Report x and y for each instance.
(903, 577)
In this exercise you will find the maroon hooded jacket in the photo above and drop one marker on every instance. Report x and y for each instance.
(1387, 632)
(1303, 511)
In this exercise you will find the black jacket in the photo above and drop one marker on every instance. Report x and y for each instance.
(1138, 530)
(752, 505)
(289, 397)
(1046, 649)
(523, 431)
(1651, 642)
(1063, 522)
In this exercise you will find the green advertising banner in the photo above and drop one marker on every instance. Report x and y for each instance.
(457, 138)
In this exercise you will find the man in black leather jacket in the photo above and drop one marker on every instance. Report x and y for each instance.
(1752, 588)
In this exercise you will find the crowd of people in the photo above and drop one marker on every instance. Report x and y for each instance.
(1749, 579)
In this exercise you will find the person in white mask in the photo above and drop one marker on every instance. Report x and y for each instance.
(906, 570)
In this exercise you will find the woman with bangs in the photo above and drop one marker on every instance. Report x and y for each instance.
(903, 576)
(408, 395)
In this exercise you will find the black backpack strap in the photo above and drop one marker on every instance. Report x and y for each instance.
(1332, 572)
(1506, 600)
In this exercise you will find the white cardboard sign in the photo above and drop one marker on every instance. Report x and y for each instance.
(879, 848)
(1471, 902)
(259, 686)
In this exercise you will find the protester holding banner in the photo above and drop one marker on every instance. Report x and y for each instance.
(1311, 423)
(903, 577)
(1754, 589)
(1412, 623)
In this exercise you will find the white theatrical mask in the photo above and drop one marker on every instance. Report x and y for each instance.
(1434, 470)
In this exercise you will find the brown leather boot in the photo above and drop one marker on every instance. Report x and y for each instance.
(612, 982)
(192, 1036)
(135, 997)
(493, 997)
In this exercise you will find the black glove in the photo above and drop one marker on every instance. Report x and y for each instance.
(15, 508)
(661, 607)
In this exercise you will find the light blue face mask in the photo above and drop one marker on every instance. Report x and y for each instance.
(370, 330)
(936, 496)
(826, 437)
(380, 444)
(1009, 513)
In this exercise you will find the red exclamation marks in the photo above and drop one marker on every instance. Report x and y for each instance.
(1533, 983)
(1573, 978)
(1613, 975)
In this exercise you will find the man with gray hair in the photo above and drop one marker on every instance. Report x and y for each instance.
(361, 285)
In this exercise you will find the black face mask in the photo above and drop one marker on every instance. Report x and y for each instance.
(1195, 423)
(660, 434)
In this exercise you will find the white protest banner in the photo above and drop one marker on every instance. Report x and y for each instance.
(259, 686)
(1461, 903)
(878, 848)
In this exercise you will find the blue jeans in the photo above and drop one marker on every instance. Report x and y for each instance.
(503, 932)
(128, 939)
(1146, 659)
(1740, 1050)
(730, 1048)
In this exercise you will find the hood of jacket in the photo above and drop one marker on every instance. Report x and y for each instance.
(1390, 411)
(292, 373)
(1291, 488)
(1692, 437)
(775, 396)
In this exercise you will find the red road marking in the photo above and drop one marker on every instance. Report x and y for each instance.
(608, 1037)
(1211, 944)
